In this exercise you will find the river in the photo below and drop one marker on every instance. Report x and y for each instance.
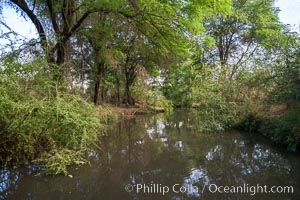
(166, 157)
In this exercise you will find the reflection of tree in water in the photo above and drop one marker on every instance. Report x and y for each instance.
(155, 150)
(216, 151)
(8, 182)
(151, 155)
(198, 178)
(259, 158)
(237, 163)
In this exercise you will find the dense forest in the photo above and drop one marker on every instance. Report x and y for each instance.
(232, 61)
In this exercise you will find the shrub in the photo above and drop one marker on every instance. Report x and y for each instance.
(152, 97)
(282, 130)
(249, 122)
(56, 132)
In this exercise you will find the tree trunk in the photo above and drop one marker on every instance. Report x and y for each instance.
(118, 84)
(60, 59)
(128, 99)
(127, 95)
(98, 96)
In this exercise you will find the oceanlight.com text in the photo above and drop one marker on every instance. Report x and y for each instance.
(250, 189)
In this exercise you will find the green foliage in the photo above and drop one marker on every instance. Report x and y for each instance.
(196, 86)
(33, 127)
(57, 161)
(287, 77)
(249, 123)
(55, 130)
(151, 97)
(178, 85)
(216, 113)
(283, 130)
(241, 37)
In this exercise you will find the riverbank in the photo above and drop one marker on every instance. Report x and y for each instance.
(134, 110)
(279, 123)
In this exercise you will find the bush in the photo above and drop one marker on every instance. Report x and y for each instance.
(56, 132)
(216, 113)
(41, 122)
(283, 130)
(151, 97)
(249, 122)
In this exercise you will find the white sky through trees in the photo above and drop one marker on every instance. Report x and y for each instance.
(290, 12)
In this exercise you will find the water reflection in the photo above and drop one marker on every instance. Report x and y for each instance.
(195, 181)
(163, 150)
(215, 152)
(8, 182)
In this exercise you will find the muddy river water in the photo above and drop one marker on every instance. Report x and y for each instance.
(166, 157)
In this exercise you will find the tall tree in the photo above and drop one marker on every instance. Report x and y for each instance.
(165, 27)
(241, 35)
(57, 21)
(65, 18)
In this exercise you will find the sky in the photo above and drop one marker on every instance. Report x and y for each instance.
(18, 24)
(290, 14)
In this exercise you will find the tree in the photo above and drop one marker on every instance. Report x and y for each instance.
(140, 26)
(286, 71)
(241, 37)
(57, 21)
(65, 18)
(167, 26)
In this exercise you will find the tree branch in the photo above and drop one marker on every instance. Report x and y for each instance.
(34, 19)
(53, 16)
